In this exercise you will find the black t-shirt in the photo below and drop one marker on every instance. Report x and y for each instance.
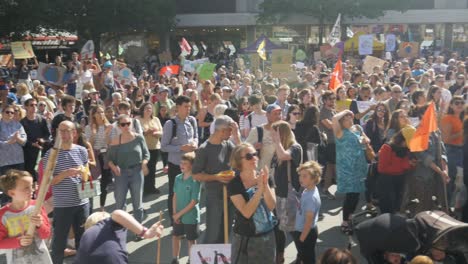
(235, 187)
(103, 243)
(35, 129)
(281, 171)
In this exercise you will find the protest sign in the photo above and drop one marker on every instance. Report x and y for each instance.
(390, 42)
(189, 66)
(370, 62)
(206, 71)
(300, 65)
(22, 49)
(364, 105)
(366, 44)
(210, 253)
(408, 50)
(50, 73)
(125, 75)
(87, 52)
(165, 57)
(5, 59)
(281, 61)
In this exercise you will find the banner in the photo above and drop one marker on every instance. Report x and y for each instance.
(210, 253)
(87, 52)
(366, 44)
(408, 50)
(22, 49)
(191, 66)
(370, 62)
(390, 42)
(51, 73)
(335, 34)
(206, 71)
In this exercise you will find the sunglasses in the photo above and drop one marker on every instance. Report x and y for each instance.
(9, 112)
(296, 113)
(124, 124)
(381, 110)
(458, 103)
(250, 156)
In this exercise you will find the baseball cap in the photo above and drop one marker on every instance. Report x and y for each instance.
(272, 107)
(163, 89)
(226, 88)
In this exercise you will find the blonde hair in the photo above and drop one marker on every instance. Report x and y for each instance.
(312, 168)
(94, 218)
(421, 260)
(286, 135)
(22, 89)
(219, 110)
(236, 156)
(189, 156)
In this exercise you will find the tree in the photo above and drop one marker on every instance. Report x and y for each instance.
(88, 18)
(326, 11)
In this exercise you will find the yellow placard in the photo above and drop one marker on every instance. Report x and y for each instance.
(22, 50)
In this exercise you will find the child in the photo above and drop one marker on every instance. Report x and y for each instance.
(305, 236)
(15, 220)
(185, 203)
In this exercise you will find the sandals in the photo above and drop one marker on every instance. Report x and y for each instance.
(345, 228)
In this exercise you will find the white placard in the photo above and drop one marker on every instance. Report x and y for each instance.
(390, 42)
(364, 105)
(207, 253)
(366, 44)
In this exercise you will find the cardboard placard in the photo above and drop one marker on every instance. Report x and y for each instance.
(210, 253)
(50, 73)
(22, 49)
(408, 50)
(370, 62)
(281, 61)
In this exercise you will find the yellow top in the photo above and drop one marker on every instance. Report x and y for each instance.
(153, 142)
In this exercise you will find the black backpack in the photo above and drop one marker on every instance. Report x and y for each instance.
(174, 126)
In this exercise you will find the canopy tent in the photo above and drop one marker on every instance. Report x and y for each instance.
(253, 47)
(352, 44)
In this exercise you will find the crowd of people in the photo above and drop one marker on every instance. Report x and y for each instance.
(278, 145)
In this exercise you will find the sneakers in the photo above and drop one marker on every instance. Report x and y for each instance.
(328, 195)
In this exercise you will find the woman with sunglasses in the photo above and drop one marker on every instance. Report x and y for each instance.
(128, 158)
(250, 191)
(293, 117)
(288, 157)
(451, 126)
(12, 139)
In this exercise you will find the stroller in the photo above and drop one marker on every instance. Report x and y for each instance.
(413, 236)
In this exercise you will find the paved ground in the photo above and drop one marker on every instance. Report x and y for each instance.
(144, 252)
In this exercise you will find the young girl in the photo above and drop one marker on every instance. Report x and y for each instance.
(305, 236)
(15, 220)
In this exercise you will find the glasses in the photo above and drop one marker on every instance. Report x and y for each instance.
(296, 113)
(9, 112)
(458, 103)
(382, 110)
(124, 124)
(250, 156)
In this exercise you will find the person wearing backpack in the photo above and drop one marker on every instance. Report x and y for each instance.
(256, 118)
(253, 196)
(179, 137)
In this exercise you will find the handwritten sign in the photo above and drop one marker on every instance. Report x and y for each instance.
(22, 50)
(390, 42)
(210, 253)
(87, 52)
(408, 50)
(370, 62)
(51, 73)
(364, 105)
(206, 71)
(366, 44)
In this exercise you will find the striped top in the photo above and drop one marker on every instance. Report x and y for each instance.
(100, 140)
(65, 192)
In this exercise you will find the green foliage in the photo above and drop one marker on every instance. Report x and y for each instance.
(87, 17)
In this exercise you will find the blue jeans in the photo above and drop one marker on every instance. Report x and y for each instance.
(64, 218)
(454, 159)
(130, 179)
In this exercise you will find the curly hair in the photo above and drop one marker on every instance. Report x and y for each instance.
(8, 181)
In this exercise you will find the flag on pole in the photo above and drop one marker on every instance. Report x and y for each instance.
(185, 46)
(170, 70)
(420, 140)
(349, 32)
(261, 50)
(336, 76)
(335, 34)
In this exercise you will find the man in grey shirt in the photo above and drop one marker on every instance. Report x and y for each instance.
(183, 140)
(326, 114)
(212, 158)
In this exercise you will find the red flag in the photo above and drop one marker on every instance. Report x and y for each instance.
(185, 46)
(170, 70)
(420, 140)
(336, 76)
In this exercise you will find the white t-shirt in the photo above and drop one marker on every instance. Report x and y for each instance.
(86, 77)
(268, 148)
(257, 120)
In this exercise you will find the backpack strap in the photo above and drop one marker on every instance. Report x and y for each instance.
(260, 134)
(174, 128)
(249, 116)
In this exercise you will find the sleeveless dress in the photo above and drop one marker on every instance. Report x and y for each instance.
(351, 163)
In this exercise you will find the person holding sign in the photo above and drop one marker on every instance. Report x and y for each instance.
(24, 72)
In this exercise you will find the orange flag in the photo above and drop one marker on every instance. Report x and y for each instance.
(420, 140)
(336, 76)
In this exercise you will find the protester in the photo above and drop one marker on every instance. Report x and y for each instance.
(251, 193)
(128, 160)
(12, 139)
